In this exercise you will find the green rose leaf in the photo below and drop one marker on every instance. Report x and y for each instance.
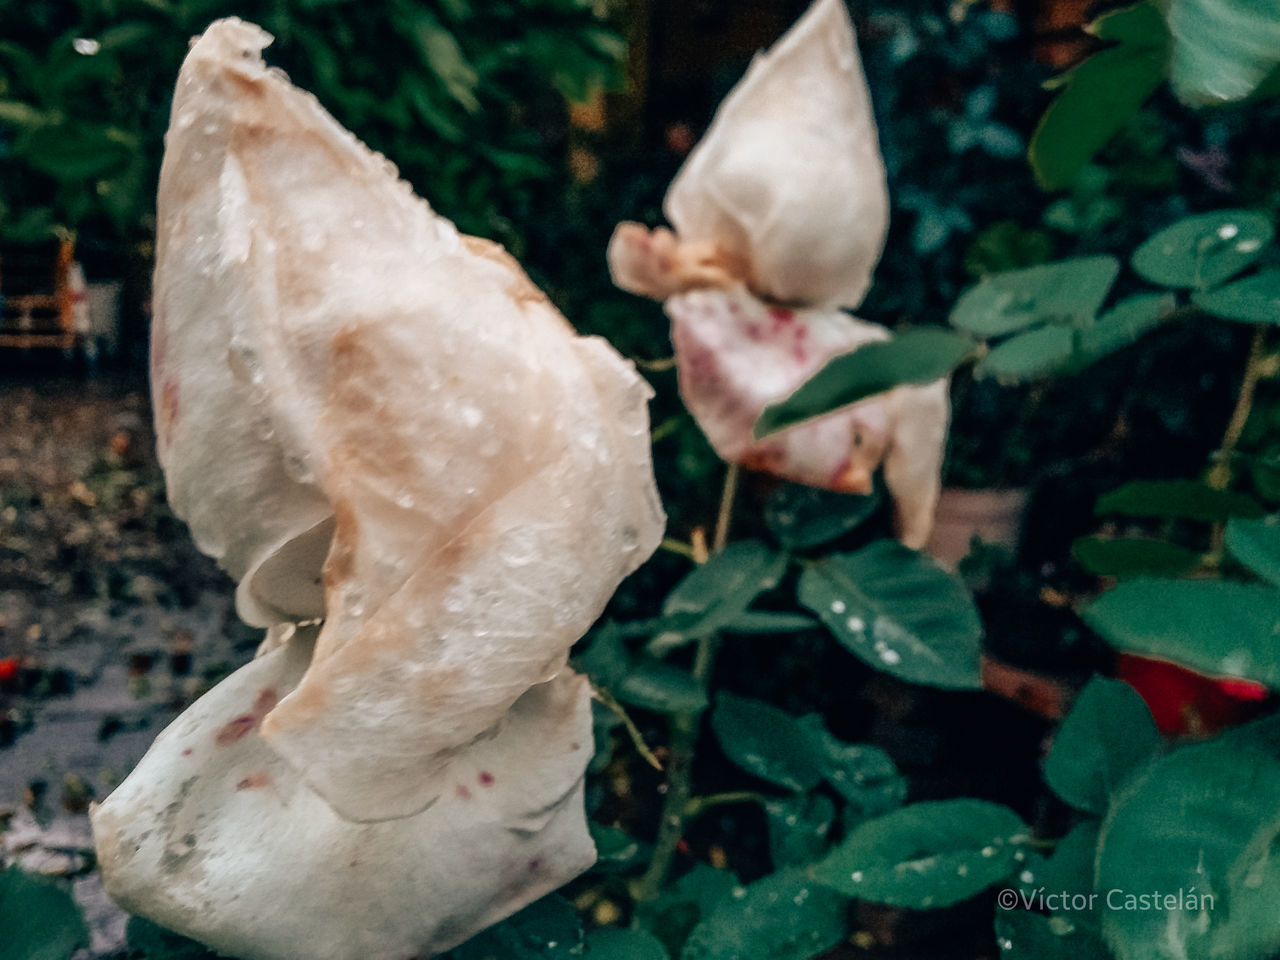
(719, 591)
(1222, 49)
(548, 929)
(1254, 299)
(39, 920)
(921, 355)
(1066, 293)
(607, 659)
(652, 685)
(798, 753)
(1071, 866)
(1214, 626)
(899, 612)
(1123, 324)
(1129, 557)
(801, 516)
(766, 621)
(1020, 933)
(615, 849)
(1177, 499)
(1204, 250)
(1029, 355)
(1256, 544)
(766, 742)
(1108, 734)
(927, 854)
(616, 944)
(785, 916)
(1101, 94)
(799, 828)
(1199, 822)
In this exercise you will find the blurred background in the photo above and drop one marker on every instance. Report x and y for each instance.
(542, 124)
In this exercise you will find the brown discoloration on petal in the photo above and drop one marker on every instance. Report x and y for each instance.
(254, 781)
(340, 564)
(655, 263)
(521, 289)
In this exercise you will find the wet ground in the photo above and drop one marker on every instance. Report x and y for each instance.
(111, 622)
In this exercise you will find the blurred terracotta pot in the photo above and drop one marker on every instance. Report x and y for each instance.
(994, 516)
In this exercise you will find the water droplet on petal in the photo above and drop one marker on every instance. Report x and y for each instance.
(1228, 230)
(837, 606)
(519, 547)
(856, 624)
(86, 46)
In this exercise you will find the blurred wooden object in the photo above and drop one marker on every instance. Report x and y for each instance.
(37, 303)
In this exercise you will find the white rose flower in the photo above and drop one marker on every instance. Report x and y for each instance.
(367, 417)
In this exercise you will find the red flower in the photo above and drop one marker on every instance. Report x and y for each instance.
(1185, 702)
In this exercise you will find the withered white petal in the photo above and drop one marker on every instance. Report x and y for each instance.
(215, 835)
(340, 374)
(736, 355)
(788, 179)
(368, 417)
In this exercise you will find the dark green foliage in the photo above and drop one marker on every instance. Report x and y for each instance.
(1108, 734)
(897, 611)
(40, 919)
(1216, 626)
(927, 854)
(466, 98)
(1200, 822)
(916, 356)
(1100, 95)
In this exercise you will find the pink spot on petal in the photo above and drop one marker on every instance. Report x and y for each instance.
(535, 864)
(187, 752)
(485, 778)
(266, 702)
(463, 791)
(236, 730)
(781, 316)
